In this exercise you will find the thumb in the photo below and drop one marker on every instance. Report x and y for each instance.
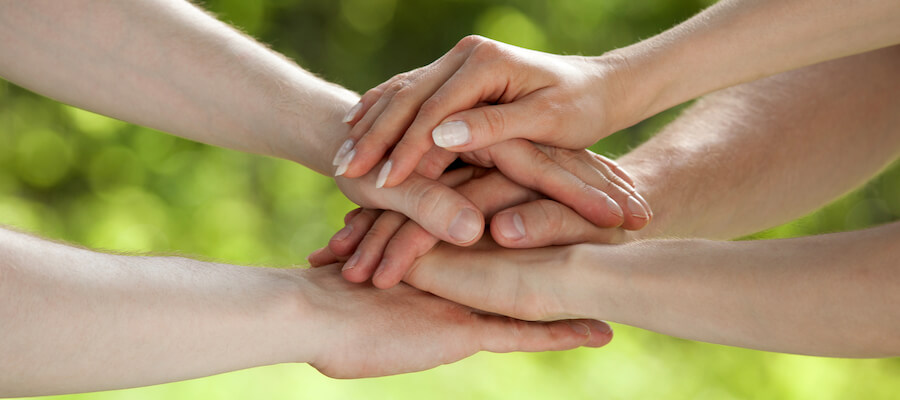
(547, 223)
(439, 209)
(481, 127)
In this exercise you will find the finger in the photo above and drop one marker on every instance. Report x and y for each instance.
(359, 110)
(349, 216)
(348, 154)
(345, 241)
(390, 121)
(439, 209)
(600, 176)
(503, 334)
(321, 257)
(525, 164)
(616, 168)
(546, 223)
(363, 262)
(490, 193)
(474, 83)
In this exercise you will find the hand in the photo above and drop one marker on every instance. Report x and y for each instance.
(563, 101)
(386, 244)
(369, 332)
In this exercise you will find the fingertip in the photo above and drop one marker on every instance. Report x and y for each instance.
(451, 134)
(319, 258)
(508, 229)
(601, 333)
(466, 227)
(351, 117)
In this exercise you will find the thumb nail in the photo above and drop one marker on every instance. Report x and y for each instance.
(465, 226)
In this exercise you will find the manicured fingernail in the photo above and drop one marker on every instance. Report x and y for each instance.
(613, 206)
(383, 174)
(380, 269)
(580, 328)
(637, 210)
(351, 262)
(343, 233)
(511, 225)
(453, 133)
(352, 113)
(465, 226)
(342, 152)
(342, 167)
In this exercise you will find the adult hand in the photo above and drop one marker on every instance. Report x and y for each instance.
(537, 96)
(368, 332)
(386, 243)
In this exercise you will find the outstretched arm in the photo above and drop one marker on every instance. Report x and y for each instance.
(764, 153)
(828, 295)
(76, 320)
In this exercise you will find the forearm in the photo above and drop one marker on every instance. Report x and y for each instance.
(767, 152)
(170, 66)
(832, 295)
(736, 41)
(76, 320)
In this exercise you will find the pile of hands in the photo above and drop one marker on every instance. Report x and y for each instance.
(487, 135)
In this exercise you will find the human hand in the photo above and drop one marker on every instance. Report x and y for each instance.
(368, 332)
(531, 222)
(537, 96)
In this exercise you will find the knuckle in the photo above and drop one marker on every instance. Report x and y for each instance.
(427, 197)
(469, 42)
(494, 121)
(551, 215)
(432, 107)
(486, 50)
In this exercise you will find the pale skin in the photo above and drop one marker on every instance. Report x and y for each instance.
(540, 95)
(77, 320)
(167, 65)
(739, 161)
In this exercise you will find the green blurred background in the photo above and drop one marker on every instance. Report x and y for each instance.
(77, 176)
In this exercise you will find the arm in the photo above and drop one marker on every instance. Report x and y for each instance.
(536, 96)
(764, 153)
(75, 320)
(168, 65)
(829, 295)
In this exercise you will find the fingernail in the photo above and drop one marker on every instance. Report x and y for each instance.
(342, 167)
(580, 328)
(644, 201)
(465, 226)
(343, 233)
(342, 152)
(351, 262)
(352, 113)
(600, 327)
(380, 269)
(383, 174)
(511, 225)
(613, 206)
(453, 133)
(637, 210)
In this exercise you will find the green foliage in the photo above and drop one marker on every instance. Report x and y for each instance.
(73, 175)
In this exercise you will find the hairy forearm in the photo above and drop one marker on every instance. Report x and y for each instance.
(76, 320)
(832, 295)
(737, 41)
(766, 152)
(170, 66)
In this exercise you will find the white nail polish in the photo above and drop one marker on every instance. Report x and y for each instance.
(342, 167)
(453, 133)
(637, 210)
(345, 148)
(383, 174)
(352, 113)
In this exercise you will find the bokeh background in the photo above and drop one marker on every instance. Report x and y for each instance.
(76, 176)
